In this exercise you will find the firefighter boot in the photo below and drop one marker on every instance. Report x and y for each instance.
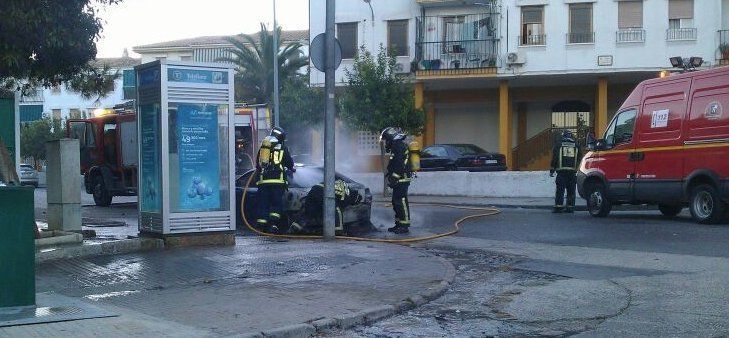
(557, 209)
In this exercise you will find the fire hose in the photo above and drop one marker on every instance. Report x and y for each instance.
(483, 212)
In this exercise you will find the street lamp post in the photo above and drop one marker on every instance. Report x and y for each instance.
(275, 69)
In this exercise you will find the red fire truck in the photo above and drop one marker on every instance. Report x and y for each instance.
(108, 145)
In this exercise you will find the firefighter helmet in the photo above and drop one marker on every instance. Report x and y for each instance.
(279, 133)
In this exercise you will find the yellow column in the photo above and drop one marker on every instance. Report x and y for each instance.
(601, 120)
(505, 122)
(430, 124)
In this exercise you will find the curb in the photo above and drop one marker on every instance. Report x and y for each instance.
(366, 316)
(108, 248)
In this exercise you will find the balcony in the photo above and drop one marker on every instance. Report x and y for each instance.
(457, 45)
(575, 38)
(681, 34)
(630, 35)
(532, 40)
(723, 59)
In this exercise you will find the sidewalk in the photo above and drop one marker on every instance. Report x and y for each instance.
(291, 287)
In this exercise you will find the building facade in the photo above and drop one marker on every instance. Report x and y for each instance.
(60, 103)
(507, 75)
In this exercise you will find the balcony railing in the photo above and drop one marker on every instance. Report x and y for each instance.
(681, 34)
(630, 35)
(581, 37)
(532, 40)
(451, 44)
(723, 47)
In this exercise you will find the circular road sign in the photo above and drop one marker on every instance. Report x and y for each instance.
(317, 52)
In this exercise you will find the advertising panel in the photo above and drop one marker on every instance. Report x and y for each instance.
(151, 182)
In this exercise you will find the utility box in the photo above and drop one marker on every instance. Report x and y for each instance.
(17, 247)
(185, 119)
(63, 181)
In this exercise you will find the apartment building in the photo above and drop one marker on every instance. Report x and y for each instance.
(506, 75)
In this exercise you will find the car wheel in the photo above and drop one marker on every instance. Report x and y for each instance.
(101, 194)
(705, 205)
(597, 203)
(670, 210)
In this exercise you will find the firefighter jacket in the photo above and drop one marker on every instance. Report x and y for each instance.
(274, 172)
(565, 156)
(398, 169)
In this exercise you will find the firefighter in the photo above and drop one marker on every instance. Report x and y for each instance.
(314, 203)
(565, 159)
(398, 176)
(272, 161)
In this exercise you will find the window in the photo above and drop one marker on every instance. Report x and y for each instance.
(532, 25)
(680, 14)
(630, 14)
(621, 129)
(580, 23)
(347, 36)
(75, 113)
(397, 37)
(129, 82)
(436, 152)
(56, 114)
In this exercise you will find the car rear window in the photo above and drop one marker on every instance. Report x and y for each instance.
(468, 149)
(26, 166)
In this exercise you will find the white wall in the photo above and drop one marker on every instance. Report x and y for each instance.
(372, 37)
(557, 56)
(170, 55)
(67, 100)
(725, 14)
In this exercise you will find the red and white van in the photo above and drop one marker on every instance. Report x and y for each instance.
(668, 145)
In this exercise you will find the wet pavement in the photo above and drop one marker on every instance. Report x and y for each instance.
(256, 285)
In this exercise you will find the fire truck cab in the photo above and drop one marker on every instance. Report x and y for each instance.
(108, 151)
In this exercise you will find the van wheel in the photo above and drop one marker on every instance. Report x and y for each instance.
(670, 210)
(102, 197)
(597, 203)
(705, 205)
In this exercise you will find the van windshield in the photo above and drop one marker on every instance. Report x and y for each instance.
(621, 129)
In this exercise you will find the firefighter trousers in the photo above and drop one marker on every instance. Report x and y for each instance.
(270, 204)
(400, 204)
(566, 182)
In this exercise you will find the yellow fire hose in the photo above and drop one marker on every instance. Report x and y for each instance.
(456, 225)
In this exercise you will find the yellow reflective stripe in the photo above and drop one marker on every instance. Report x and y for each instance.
(274, 180)
(341, 220)
(404, 180)
(407, 211)
(262, 221)
(667, 148)
(274, 215)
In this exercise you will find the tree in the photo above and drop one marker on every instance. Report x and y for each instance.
(301, 105)
(35, 134)
(377, 96)
(94, 83)
(253, 62)
(45, 43)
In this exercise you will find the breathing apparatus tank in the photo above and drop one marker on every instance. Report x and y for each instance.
(264, 154)
(414, 153)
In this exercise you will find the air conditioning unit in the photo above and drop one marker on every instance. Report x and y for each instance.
(517, 58)
(402, 68)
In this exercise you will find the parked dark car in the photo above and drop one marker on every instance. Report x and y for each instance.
(300, 183)
(464, 157)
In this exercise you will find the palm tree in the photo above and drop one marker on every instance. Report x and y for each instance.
(253, 61)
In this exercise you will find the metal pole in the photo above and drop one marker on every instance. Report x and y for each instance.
(275, 69)
(329, 207)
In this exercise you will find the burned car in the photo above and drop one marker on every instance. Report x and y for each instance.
(300, 183)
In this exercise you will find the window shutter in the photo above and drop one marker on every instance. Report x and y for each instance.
(630, 14)
(580, 18)
(680, 9)
(347, 36)
(531, 14)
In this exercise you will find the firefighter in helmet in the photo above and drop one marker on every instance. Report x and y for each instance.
(565, 159)
(400, 171)
(314, 202)
(272, 161)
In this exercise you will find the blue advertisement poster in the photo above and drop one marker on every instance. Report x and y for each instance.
(197, 137)
(151, 185)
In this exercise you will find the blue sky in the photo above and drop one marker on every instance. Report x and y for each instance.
(138, 22)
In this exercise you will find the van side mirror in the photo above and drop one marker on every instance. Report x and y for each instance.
(600, 145)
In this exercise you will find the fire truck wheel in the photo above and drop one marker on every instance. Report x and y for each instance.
(102, 197)
(597, 203)
(705, 204)
(670, 210)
